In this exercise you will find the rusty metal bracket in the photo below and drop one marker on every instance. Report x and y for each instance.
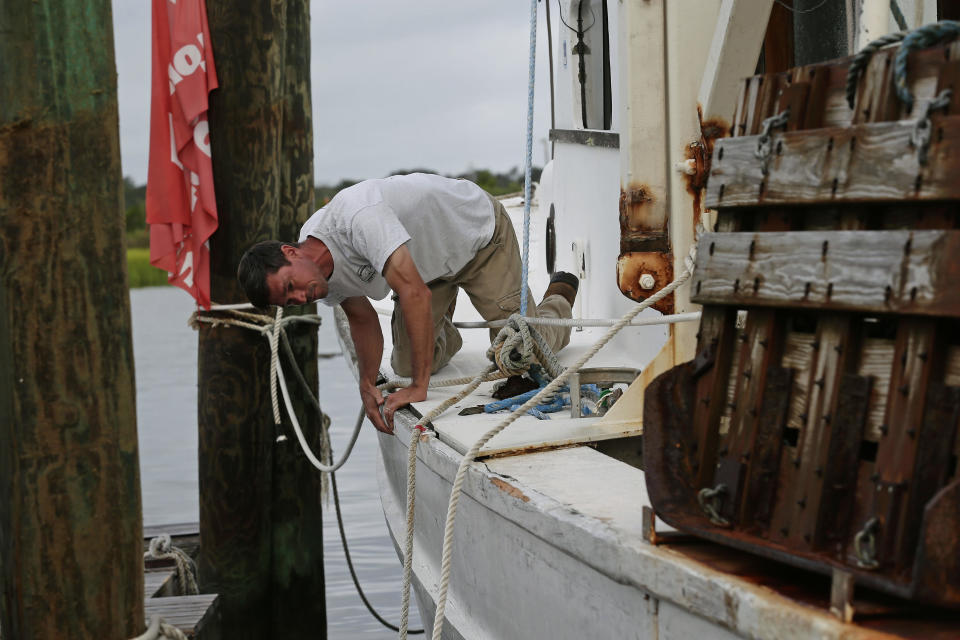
(841, 595)
(650, 526)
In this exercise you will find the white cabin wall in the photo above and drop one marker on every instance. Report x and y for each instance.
(874, 18)
(582, 182)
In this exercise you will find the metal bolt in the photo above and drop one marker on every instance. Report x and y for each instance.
(647, 281)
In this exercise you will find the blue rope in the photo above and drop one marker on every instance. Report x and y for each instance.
(921, 38)
(529, 161)
(563, 400)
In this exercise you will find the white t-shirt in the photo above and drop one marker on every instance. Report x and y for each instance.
(443, 222)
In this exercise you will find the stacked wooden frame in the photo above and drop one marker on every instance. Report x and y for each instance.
(818, 422)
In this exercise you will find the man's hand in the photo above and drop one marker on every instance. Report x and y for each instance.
(372, 399)
(401, 398)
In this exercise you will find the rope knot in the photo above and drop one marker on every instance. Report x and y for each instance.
(160, 548)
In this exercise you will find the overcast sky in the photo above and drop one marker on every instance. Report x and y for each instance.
(429, 84)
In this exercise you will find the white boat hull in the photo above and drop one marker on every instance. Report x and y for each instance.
(549, 545)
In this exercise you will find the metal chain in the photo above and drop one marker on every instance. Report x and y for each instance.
(865, 545)
(920, 137)
(709, 500)
(764, 143)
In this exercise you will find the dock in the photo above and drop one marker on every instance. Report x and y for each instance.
(197, 616)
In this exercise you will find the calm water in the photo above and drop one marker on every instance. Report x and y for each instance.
(165, 349)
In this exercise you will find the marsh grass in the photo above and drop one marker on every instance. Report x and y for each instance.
(140, 272)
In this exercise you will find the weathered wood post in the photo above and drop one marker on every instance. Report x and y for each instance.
(260, 516)
(70, 515)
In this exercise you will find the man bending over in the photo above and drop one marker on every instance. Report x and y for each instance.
(423, 236)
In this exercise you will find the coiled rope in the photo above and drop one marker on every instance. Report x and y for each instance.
(921, 38)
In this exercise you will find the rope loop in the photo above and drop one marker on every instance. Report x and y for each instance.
(865, 545)
(710, 500)
(160, 548)
(922, 38)
(862, 58)
(764, 144)
(920, 137)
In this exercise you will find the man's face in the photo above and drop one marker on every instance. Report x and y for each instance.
(299, 282)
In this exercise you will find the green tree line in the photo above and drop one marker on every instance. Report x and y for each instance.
(138, 239)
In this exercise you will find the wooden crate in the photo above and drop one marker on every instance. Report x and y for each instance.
(825, 395)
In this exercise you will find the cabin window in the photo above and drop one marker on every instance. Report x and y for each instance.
(588, 31)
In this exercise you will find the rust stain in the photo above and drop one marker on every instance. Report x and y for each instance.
(632, 265)
(636, 208)
(701, 152)
(509, 489)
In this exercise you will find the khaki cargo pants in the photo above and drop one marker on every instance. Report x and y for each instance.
(492, 281)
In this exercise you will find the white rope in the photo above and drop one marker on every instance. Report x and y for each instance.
(273, 331)
(231, 307)
(570, 322)
(691, 316)
(274, 339)
(161, 548)
(325, 468)
(551, 388)
(160, 629)
(412, 486)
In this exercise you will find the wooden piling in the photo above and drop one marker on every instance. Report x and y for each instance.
(70, 514)
(260, 515)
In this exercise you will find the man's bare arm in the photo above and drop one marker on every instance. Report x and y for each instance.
(368, 341)
(413, 296)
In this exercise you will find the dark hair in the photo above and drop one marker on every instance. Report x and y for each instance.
(258, 262)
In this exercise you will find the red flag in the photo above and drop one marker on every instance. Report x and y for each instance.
(181, 207)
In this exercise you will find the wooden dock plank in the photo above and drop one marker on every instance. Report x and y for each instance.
(197, 616)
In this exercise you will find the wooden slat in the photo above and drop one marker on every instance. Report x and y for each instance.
(869, 271)
(914, 361)
(797, 509)
(934, 449)
(712, 368)
(863, 163)
(818, 79)
(197, 616)
(760, 486)
(759, 348)
(877, 99)
(840, 471)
